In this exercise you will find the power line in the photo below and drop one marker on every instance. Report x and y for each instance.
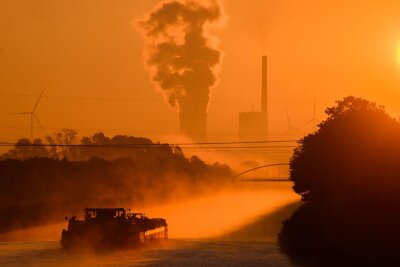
(138, 146)
(216, 133)
(150, 100)
(166, 144)
(264, 180)
(236, 151)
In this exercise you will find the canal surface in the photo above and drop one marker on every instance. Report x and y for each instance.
(227, 229)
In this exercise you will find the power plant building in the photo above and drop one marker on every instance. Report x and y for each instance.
(253, 126)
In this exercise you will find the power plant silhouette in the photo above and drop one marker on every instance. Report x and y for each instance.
(193, 120)
(253, 126)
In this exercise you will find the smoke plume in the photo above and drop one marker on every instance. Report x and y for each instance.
(180, 54)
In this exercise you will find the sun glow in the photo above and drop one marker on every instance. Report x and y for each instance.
(219, 214)
(398, 54)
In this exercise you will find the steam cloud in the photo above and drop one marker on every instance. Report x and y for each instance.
(180, 54)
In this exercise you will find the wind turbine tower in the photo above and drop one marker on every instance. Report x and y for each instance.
(32, 114)
(290, 128)
(314, 120)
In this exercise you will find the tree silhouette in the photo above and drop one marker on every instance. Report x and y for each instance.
(60, 142)
(108, 173)
(25, 149)
(355, 148)
(118, 146)
(348, 175)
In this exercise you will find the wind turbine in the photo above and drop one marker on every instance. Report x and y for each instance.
(32, 114)
(290, 128)
(314, 120)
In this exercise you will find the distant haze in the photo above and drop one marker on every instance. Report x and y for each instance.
(91, 49)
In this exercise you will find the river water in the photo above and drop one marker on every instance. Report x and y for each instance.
(226, 229)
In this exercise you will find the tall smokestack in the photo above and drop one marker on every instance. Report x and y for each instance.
(264, 91)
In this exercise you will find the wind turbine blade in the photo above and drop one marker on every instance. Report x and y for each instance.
(21, 113)
(37, 101)
(36, 118)
(307, 123)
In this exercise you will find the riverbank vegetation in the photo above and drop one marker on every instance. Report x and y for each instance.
(41, 184)
(348, 175)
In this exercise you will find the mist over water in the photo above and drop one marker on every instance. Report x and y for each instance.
(215, 215)
(199, 225)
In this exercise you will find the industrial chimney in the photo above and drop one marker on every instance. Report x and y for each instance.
(264, 88)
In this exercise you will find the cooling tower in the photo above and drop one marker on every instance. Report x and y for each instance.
(193, 120)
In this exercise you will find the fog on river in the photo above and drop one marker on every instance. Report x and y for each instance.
(236, 228)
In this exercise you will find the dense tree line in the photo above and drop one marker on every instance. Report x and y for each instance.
(348, 175)
(39, 184)
(62, 145)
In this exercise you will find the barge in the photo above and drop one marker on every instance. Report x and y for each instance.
(112, 228)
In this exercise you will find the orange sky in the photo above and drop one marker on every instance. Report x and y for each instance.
(90, 51)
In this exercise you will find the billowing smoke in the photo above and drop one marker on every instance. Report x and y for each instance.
(181, 56)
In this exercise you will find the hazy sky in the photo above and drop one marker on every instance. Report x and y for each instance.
(88, 56)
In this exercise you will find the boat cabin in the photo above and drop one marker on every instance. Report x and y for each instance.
(104, 213)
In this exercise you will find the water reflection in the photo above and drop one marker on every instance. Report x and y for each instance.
(231, 228)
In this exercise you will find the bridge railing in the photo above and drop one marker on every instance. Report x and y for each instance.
(238, 177)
